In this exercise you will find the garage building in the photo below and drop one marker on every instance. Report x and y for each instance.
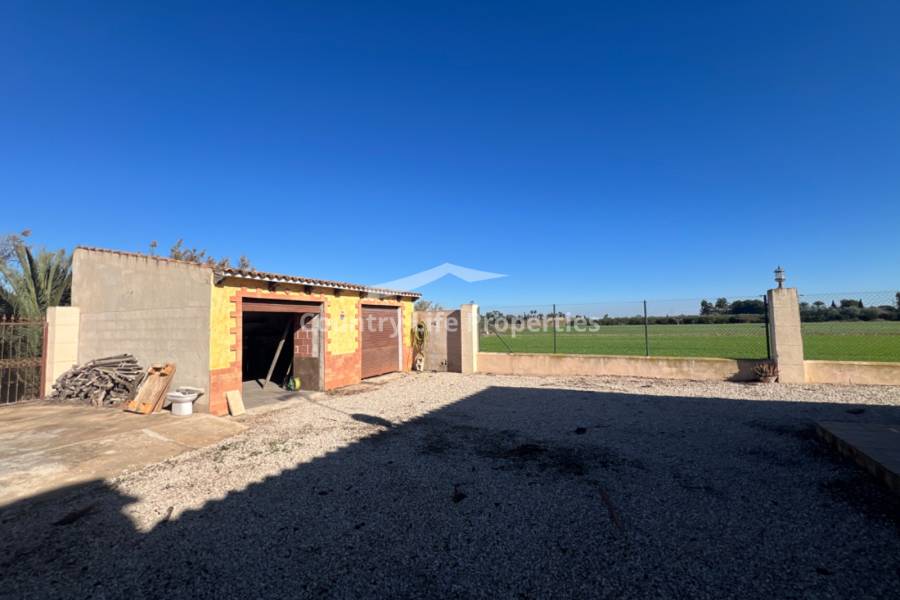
(231, 329)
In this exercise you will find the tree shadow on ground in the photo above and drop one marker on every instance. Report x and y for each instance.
(511, 492)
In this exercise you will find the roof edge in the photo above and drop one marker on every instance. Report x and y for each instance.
(261, 275)
(143, 255)
(320, 283)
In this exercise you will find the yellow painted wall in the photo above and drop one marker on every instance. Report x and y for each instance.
(221, 339)
(343, 334)
(222, 319)
(407, 322)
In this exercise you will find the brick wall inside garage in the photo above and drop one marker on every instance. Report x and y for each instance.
(304, 339)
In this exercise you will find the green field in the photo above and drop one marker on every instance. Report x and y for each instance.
(832, 340)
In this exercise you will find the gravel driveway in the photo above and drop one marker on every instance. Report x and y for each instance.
(487, 486)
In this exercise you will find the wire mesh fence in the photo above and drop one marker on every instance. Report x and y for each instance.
(862, 326)
(21, 352)
(723, 327)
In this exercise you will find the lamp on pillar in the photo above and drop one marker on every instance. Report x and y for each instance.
(779, 277)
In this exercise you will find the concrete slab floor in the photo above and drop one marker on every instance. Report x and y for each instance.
(874, 446)
(47, 446)
(257, 399)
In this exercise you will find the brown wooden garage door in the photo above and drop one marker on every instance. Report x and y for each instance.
(380, 340)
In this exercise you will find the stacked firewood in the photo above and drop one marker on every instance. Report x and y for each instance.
(100, 382)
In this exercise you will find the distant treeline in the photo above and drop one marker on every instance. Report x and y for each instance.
(718, 312)
(849, 310)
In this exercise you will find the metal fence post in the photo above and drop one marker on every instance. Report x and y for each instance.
(768, 345)
(646, 332)
(554, 329)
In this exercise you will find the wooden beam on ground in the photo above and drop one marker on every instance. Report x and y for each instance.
(287, 332)
(235, 403)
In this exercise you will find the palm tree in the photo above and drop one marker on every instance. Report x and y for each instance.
(29, 284)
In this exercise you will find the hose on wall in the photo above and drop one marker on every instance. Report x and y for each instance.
(420, 336)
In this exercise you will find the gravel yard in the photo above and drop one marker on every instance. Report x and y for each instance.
(487, 486)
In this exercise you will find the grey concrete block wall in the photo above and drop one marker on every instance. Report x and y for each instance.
(443, 344)
(156, 309)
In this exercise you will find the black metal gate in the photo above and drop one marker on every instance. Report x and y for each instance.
(22, 351)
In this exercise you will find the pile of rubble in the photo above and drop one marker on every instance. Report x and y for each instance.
(101, 382)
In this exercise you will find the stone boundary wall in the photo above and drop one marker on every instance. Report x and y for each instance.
(709, 369)
(785, 347)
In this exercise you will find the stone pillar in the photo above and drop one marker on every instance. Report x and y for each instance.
(63, 323)
(785, 336)
(468, 328)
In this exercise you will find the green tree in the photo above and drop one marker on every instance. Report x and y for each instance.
(30, 283)
(179, 251)
(423, 304)
(722, 306)
(749, 307)
(8, 245)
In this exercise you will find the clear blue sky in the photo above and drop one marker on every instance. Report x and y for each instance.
(590, 151)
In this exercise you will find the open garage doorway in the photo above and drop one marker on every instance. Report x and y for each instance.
(281, 350)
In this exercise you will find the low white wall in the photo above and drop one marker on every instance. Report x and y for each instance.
(714, 369)
(708, 369)
(852, 372)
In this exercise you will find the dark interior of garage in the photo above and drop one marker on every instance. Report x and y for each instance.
(263, 332)
(287, 340)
